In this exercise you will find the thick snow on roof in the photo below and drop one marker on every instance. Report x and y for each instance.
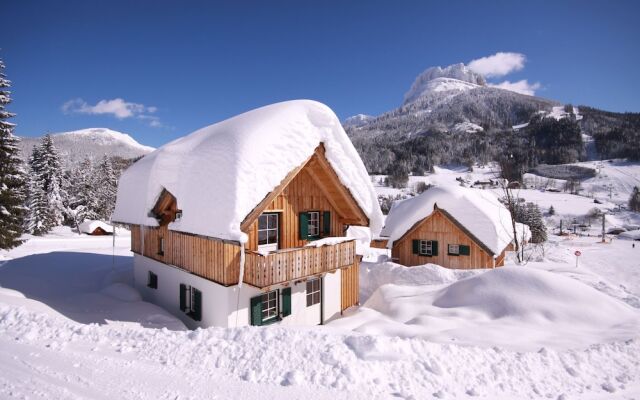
(218, 174)
(88, 226)
(479, 211)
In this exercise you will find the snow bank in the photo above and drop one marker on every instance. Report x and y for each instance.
(477, 210)
(513, 307)
(88, 226)
(633, 235)
(220, 173)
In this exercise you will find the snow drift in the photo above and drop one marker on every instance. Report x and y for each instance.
(513, 307)
(220, 173)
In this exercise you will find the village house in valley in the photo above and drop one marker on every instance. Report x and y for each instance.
(454, 227)
(245, 222)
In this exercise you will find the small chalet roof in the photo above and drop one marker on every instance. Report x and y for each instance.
(88, 226)
(478, 211)
(220, 173)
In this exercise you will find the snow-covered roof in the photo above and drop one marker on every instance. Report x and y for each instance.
(88, 226)
(479, 211)
(219, 174)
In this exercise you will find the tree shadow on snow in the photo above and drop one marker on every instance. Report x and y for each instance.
(85, 287)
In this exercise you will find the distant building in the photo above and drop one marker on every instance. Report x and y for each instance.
(453, 227)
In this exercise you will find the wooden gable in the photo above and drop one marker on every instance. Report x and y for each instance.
(319, 174)
(166, 208)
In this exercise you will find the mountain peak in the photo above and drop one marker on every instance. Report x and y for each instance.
(105, 135)
(437, 79)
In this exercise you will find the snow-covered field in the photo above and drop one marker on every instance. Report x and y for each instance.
(71, 327)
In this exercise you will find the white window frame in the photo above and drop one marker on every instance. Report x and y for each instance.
(314, 224)
(314, 294)
(269, 228)
(426, 247)
(454, 249)
(272, 305)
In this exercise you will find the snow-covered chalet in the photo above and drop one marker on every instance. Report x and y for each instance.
(453, 227)
(245, 222)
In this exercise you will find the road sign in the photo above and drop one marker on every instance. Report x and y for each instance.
(577, 253)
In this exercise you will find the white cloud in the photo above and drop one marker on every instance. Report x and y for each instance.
(118, 108)
(522, 86)
(499, 64)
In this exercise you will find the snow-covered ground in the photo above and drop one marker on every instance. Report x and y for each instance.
(71, 327)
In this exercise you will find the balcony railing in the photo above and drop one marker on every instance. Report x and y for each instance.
(290, 264)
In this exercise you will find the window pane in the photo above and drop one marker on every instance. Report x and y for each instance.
(272, 236)
(262, 237)
(316, 298)
(309, 300)
(262, 222)
(273, 221)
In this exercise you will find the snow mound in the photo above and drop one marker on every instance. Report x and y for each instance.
(123, 292)
(511, 307)
(236, 163)
(479, 211)
(88, 226)
(534, 295)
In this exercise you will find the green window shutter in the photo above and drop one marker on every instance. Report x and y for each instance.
(183, 297)
(256, 310)
(286, 302)
(196, 313)
(416, 246)
(326, 223)
(434, 247)
(304, 225)
(465, 250)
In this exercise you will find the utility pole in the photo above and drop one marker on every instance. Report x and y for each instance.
(603, 237)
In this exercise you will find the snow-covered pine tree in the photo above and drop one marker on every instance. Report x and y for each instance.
(107, 185)
(12, 174)
(51, 178)
(634, 200)
(86, 202)
(536, 223)
(39, 219)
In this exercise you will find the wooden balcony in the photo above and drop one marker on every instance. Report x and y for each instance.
(291, 264)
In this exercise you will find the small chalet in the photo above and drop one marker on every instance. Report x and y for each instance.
(454, 227)
(95, 228)
(245, 222)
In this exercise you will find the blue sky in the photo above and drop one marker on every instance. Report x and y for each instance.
(161, 69)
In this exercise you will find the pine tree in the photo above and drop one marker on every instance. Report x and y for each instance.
(39, 219)
(83, 201)
(552, 211)
(51, 175)
(107, 185)
(634, 200)
(12, 175)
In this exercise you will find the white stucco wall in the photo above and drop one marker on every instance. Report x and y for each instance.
(229, 306)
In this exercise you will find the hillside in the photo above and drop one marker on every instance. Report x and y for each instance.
(91, 143)
(451, 115)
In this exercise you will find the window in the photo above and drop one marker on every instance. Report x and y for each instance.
(454, 250)
(314, 224)
(160, 246)
(423, 247)
(191, 301)
(269, 305)
(268, 229)
(152, 280)
(313, 292)
(426, 247)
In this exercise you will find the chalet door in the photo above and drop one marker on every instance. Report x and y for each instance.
(313, 311)
(268, 232)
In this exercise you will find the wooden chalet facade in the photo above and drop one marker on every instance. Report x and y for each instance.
(440, 239)
(309, 206)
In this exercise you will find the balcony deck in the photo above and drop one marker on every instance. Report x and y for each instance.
(290, 264)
